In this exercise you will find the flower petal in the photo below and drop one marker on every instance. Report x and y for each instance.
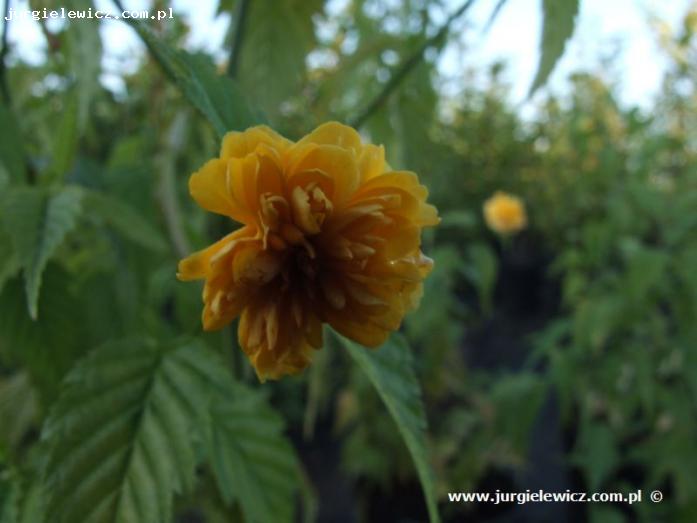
(335, 162)
(371, 161)
(239, 145)
(197, 265)
(208, 186)
(335, 133)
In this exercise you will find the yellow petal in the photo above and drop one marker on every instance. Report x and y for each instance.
(253, 266)
(227, 307)
(335, 133)
(241, 183)
(209, 188)
(239, 145)
(413, 194)
(337, 163)
(371, 161)
(197, 265)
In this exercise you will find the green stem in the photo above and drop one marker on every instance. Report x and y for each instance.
(240, 25)
(3, 53)
(403, 70)
(167, 190)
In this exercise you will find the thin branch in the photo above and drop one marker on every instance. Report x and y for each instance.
(238, 37)
(407, 66)
(3, 54)
(166, 191)
(494, 14)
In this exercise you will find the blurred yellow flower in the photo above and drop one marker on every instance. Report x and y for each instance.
(505, 213)
(329, 235)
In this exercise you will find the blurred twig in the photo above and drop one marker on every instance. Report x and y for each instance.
(494, 14)
(407, 66)
(3, 53)
(167, 190)
(237, 37)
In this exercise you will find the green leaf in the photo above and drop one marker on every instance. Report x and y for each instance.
(10, 494)
(84, 52)
(217, 97)
(558, 26)
(125, 220)
(38, 222)
(65, 141)
(278, 35)
(391, 372)
(120, 435)
(253, 462)
(11, 150)
(32, 505)
(47, 349)
(18, 408)
(517, 399)
(9, 263)
(596, 452)
(20, 500)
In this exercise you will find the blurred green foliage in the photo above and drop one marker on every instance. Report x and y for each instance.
(110, 411)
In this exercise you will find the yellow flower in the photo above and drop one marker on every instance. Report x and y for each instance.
(329, 235)
(505, 213)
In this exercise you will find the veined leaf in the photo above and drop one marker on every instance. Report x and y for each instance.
(125, 220)
(11, 150)
(37, 222)
(120, 435)
(217, 97)
(558, 26)
(278, 35)
(390, 370)
(48, 348)
(252, 460)
(20, 500)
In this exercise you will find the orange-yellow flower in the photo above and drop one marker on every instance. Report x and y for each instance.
(505, 213)
(330, 234)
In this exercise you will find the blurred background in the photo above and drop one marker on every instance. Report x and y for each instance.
(562, 355)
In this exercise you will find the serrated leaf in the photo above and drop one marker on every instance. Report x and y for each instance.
(217, 97)
(47, 348)
(120, 435)
(37, 222)
(125, 220)
(278, 35)
(390, 369)
(558, 26)
(253, 462)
